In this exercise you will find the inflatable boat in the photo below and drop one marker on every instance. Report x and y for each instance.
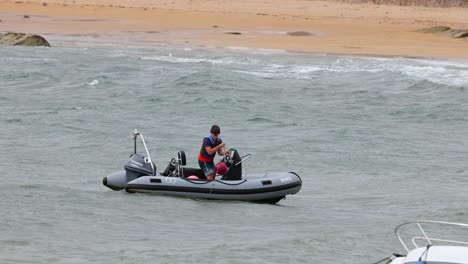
(140, 175)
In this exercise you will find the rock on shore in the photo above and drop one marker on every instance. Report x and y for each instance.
(22, 39)
(434, 30)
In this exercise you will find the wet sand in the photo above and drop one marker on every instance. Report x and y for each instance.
(300, 26)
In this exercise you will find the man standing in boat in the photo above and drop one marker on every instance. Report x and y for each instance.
(211, 144)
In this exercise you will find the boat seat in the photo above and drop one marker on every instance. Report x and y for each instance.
(193, 171)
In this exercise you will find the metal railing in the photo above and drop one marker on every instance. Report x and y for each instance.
(136, 133)
(427, 239)
(179, 162)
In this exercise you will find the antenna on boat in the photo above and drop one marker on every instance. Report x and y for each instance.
(137, 133)
(135, 136)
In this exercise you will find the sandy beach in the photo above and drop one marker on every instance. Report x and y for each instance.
(299, 26)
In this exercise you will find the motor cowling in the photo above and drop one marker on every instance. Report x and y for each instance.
(138, 165)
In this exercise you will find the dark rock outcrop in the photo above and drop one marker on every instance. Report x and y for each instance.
(461, 33)
(434, 30)
(299, 33)
(454, 33)
(22, 39)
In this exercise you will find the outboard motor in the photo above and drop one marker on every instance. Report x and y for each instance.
(138, 166)
(135, 167)
(234, 165)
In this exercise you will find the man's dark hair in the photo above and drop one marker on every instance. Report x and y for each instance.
(215, 130)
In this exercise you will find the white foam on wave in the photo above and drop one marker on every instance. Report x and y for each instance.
(435, 74)
(440, 72)
(176, 59)
(170, 58)
(258, 51)
(31, 59)
(94, 82)
(304, 66)
(284, 71)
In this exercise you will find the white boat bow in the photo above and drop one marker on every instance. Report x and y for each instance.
(424, 247)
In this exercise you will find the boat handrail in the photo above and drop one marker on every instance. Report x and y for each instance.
(424, 236)
(437, 240)
(243, 158)
(137, 133)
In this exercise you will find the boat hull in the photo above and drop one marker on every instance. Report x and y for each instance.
(269, 188)
(435, 255)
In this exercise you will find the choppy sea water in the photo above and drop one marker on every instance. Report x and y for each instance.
(377, 141)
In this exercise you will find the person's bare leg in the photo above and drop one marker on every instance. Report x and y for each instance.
(210, 177)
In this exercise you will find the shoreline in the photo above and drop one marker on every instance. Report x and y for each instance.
(313, 27)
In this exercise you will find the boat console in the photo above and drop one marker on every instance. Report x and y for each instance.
(139, 165)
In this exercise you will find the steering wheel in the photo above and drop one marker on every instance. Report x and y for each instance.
(228, 158)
